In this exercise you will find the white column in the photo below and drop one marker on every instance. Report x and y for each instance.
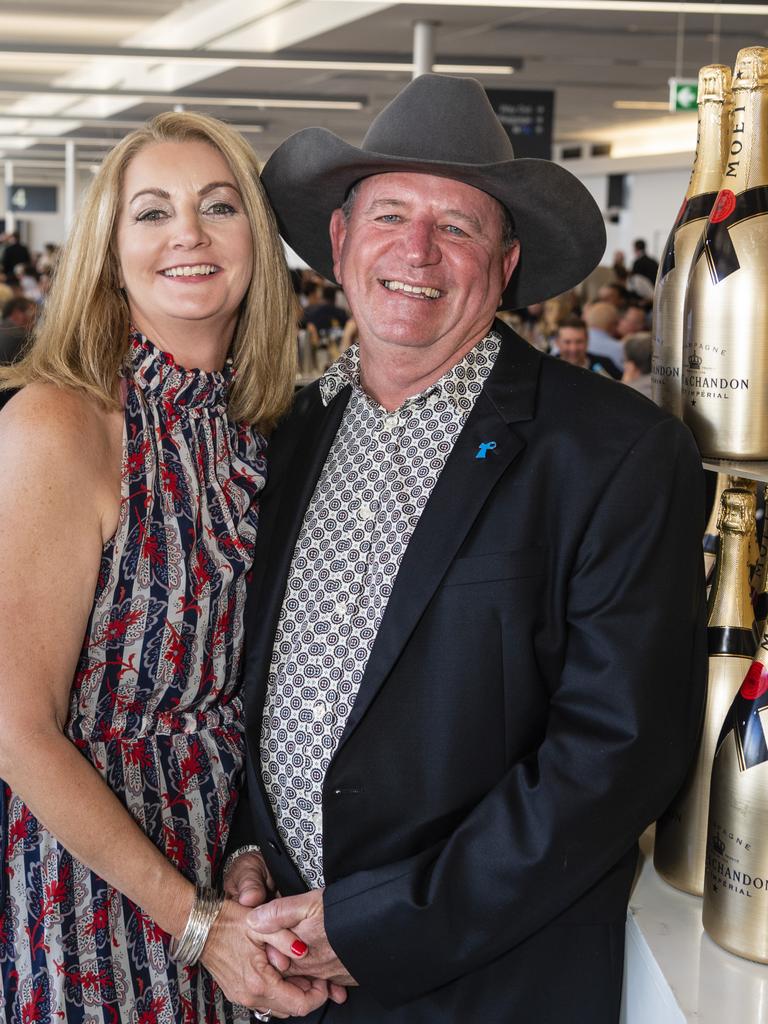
(70, 184)
(423, 47)
(10, 220)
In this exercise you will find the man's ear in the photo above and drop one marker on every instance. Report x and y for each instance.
(509, 261)
(338, 229)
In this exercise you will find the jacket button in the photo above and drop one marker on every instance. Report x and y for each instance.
(274, 846)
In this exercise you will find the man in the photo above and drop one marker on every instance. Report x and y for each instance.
(614, 294)
(602, 320)
(644, 265)
(637, 362)
(476, 654)
(14, 253)
(571, 342)
(633, 320)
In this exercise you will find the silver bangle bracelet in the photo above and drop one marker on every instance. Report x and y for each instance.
(205, 909)
(241, 851)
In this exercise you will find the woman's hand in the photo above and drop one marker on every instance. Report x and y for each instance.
(237, 959)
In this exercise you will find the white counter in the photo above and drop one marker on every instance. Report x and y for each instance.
(673, 972)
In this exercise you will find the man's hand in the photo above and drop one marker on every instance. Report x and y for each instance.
(248, 880)
(237, 958)
(302, 916)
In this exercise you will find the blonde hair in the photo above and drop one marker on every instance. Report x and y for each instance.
(82, 338)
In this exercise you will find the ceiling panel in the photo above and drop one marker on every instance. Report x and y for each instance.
(591, 58)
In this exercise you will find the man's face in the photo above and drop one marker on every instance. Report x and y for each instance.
(421, 264)
(609, 294)
(631, 321)
(572, 345)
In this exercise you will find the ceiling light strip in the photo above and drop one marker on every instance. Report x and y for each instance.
(605, 6)
(199, 99)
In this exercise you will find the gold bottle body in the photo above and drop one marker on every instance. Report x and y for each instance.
(681, 832)
(672, 279)
(724, 376)
(735, 912)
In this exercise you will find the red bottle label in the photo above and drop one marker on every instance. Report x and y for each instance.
(755, 682)
(724, 206)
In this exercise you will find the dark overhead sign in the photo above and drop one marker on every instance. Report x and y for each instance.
(31, 198)
(528, 117)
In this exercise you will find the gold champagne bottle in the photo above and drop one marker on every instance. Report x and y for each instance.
(681, 832)
(736, 882)
(672, 278)
(725, 347)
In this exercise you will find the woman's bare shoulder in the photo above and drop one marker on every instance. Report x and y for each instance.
(62, 446)
(44, 418)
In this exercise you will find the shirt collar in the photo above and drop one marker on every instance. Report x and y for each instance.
(458, 385)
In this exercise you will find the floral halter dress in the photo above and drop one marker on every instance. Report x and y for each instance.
(154, 707)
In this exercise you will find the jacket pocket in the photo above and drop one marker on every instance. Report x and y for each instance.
(501, 565)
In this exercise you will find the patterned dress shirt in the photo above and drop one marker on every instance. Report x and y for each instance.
(378, 476)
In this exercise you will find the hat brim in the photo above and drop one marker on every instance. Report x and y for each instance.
(560, 227)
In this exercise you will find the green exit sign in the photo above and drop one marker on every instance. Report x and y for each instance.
(683, 93)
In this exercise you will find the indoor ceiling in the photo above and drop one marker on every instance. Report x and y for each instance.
(275, 66)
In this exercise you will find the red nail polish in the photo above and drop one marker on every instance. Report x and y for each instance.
(299, 948)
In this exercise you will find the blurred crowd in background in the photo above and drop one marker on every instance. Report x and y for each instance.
(604, 325)
(25, 278)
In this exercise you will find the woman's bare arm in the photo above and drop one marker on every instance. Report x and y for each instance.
(59, 503)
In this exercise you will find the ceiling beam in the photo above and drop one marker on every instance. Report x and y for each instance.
(298, 60)
(198, 98)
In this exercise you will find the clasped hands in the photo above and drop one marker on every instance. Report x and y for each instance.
(271, 953)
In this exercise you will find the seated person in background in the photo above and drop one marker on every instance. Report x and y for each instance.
(637, 362)
(632, 321)
(15, 327)
(615, 294)
(571, 345)
(322, 311)
(602, 321)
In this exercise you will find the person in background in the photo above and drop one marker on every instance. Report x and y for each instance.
(14, 254)
(614, 294)
(46, 261)
(15, 328)
(571, 344)
(632, 320)
(457, 725)
(637, 362)
(644, 265)
(602, 319)
(132, 461)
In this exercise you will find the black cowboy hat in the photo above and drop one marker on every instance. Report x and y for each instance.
(445, 126)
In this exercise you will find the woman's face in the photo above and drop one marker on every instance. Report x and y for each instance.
(184, 246)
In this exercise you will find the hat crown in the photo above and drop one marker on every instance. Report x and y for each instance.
(440, 119)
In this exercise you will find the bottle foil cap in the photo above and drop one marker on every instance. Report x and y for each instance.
(714, 83)
(751, 69)
(737, 512)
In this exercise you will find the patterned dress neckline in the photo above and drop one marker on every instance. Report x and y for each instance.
(162, 380)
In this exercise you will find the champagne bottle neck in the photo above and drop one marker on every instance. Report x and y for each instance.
(711, 148)
(746, 162)
(731, 603)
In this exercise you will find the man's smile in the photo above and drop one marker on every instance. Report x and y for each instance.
(419, 291)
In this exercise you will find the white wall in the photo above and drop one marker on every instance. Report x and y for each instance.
(654, 195)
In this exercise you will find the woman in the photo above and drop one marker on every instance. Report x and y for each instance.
(132, 460)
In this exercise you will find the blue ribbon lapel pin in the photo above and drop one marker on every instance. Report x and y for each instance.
(483, 448)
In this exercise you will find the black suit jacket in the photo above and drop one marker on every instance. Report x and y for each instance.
(531, 703)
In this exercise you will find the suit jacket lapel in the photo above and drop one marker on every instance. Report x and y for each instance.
(459, 495)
